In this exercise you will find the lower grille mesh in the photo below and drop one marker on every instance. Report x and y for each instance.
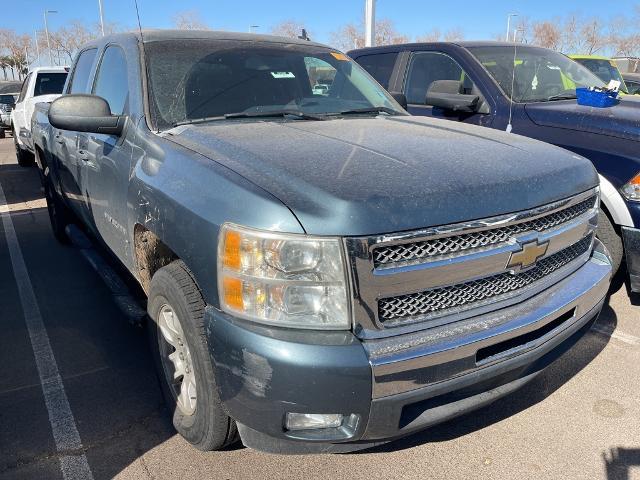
(474, 293)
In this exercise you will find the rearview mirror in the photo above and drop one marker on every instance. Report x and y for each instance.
(446, 94)
(85, 113)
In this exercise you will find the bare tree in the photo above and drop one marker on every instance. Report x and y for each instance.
(288, 28)
(347, 37)
(68, 40)
(454, 35)
(433, 35)
(15, 47)
(189, 20)
(547, 34)
(594, 39)
(352, 36)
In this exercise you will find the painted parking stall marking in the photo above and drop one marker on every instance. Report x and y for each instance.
(73, 461)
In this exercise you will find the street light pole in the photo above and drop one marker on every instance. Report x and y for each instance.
(509, 25)
(370, 23)
(46, 29)
(101, 17)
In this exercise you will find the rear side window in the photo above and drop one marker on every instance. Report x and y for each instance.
(379, 66)
(49, 83)
(80, 79)
(111, 80)
(427, 67)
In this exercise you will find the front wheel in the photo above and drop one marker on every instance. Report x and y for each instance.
(178, 342)
(608, 235)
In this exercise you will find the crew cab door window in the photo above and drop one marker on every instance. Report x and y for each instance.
(379, 66)
(427, 67)
(111, 80)
(82, 71)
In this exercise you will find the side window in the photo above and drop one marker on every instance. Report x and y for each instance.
(80, 80)
(427, 67)
(379, 66)
(111, 80)
(23, 90)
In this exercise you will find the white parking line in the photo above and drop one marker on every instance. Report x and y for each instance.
(73, 461)
(623, 337)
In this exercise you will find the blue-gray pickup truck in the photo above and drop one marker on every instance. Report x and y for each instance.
(323, 272)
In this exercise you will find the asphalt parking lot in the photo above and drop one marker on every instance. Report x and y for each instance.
(579, 419)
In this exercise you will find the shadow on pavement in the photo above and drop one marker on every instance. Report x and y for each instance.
(619, 461)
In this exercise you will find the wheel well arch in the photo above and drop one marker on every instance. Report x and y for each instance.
(150, 254)
(614, 205)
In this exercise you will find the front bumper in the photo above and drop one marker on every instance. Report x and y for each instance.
(631, 239)
(5, 120)
(399, 385)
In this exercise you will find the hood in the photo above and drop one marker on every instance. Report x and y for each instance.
(621, 120)
(364, 176)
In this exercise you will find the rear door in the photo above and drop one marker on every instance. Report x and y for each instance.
(18, 112)
(426, 67)
(70, 166)
(107, 158)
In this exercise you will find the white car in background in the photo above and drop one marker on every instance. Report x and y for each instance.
(43, 84)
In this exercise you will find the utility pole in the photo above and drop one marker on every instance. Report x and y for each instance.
(509, 25)
(101, 17)
(46, 29)
(370, 23)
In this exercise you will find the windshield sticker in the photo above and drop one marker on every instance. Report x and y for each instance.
(340, 56)
(282, 75)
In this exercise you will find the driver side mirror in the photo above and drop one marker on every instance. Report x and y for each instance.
(85, 113)
(446, 94)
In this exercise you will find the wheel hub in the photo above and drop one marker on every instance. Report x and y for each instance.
(178, 358)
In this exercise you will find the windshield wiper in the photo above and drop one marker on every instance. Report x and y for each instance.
(276, 113)
(562, 96)
(355, 111)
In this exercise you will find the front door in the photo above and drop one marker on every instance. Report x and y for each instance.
(108, 158)
(426, 67)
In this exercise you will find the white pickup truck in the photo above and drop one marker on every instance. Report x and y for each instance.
(43, 84)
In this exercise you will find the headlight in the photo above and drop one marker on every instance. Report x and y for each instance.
(631, 190)
(282, 279)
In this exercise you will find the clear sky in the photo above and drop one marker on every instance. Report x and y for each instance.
(478, 20)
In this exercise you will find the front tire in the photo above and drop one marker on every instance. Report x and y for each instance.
(178, 342)
(608, 235)
(59, 214)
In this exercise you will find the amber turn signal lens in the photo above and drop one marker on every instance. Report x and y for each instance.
(232, 241)
(233, 293)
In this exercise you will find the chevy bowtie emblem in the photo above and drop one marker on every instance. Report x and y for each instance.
(528, 254)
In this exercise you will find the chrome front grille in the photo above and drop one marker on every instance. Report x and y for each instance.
(439, 301)
(408, 253)
(440, 275)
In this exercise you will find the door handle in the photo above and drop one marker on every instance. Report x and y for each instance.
(58, 138)
(83, 155)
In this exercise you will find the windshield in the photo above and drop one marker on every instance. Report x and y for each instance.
(196, 79)
(539, 74)
(605, 70)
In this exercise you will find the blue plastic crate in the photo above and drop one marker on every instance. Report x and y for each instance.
(592, 98)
